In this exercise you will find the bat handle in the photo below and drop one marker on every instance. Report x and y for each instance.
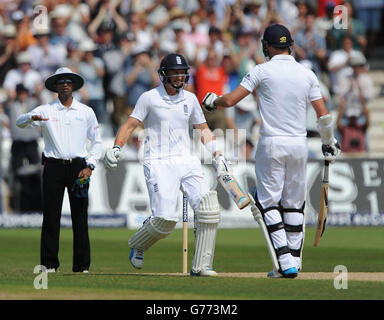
(326, 171)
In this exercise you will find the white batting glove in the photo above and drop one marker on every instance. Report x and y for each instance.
(331, 151)
(222, 165)
(208, 102)
(112, 157)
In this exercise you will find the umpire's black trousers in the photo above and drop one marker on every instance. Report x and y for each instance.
(58, 175)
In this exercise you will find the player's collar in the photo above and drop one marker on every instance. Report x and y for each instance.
(174, 99)
(282, 57)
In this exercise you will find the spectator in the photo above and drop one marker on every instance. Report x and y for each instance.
(369, 12)
(60, 36)
(356, 89)
(92, 69)
(355, 29)
(115, 63)
(247, 52)
(309, 45)
(353, 133)
(324, 5)
(45, 57)
(337, 64)
(140, 76)
(8, 51)
(243, 116)
(210, 76)
(251, 15)
(78, 18)
(144, 34)
(303, 9)
(107, 14)
(311, 117)
(215, 42)
(24, 147)
(324, 23)
(24, 74)
(198, 34)
(22, 22)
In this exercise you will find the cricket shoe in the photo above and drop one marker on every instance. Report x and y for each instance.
(289, 273)
(50, 270)
(137, 258)
(204, 273)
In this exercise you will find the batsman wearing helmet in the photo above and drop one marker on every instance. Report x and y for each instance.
(283, 87)
(169, 166)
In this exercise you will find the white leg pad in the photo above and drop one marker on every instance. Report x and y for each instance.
(207, 221)
(295, 238)
(153, 229)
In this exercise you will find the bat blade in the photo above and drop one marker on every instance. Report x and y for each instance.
(323, 211)
(185, 235)
(234, 190)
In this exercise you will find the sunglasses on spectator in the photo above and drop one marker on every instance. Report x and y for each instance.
(62, 81)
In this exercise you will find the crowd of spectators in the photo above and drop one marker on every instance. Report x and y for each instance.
(117, 45)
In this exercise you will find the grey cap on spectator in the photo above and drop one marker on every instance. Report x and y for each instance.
(41, 32)
(9, 31)
(357, 60)
(178, 25)
(87, 45)
(23, 57)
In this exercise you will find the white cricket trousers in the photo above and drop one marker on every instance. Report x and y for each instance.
(281, 184)
(165, 178)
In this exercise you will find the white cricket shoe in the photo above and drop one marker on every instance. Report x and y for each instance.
(50, 270)
(137, 258)
(204, 273)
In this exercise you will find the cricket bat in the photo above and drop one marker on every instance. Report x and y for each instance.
(323, 209)
(185, 234)
(234, 190)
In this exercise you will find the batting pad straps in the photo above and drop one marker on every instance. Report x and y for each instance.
(325, 127)
(209, 209)
(153, 229)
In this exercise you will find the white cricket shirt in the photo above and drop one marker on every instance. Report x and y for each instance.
(166, 122)
(284, 87)
(67, 130)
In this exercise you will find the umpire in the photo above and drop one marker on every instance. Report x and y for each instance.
(66, 125)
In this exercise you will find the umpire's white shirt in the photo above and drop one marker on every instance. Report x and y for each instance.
(66, 131)
(284, 87)
(166, 122)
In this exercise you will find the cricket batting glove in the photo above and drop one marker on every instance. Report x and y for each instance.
(331, 151)
(209, 102)
(221, 165)
(112, 157)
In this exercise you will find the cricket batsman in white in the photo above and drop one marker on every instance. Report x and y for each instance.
(283, 88)
(169, 166)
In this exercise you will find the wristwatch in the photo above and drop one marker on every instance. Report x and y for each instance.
(91, 166)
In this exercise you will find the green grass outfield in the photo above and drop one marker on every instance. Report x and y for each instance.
(241, 259)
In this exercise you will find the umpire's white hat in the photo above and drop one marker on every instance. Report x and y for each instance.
(64, 72)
